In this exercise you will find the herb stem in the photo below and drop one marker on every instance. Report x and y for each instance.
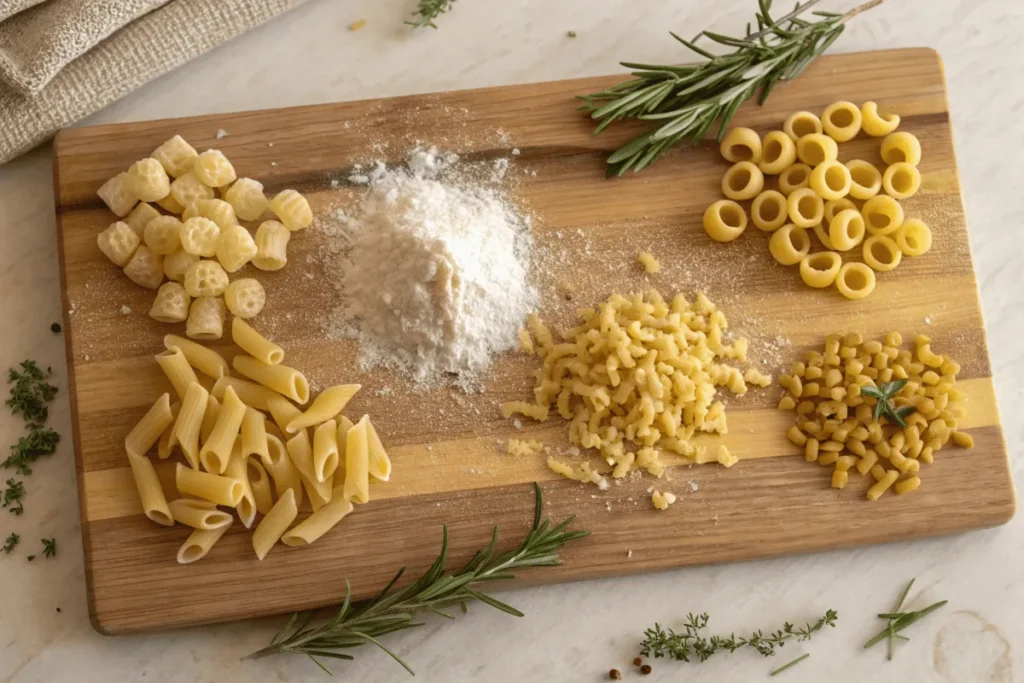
(790, 664)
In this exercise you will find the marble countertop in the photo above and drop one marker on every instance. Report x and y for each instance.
(573, 632)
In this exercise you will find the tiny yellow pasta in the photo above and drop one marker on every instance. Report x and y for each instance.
(820, 270)
(216, 451)
(882, 215)
(778, 152)
(865, 179)
(914, 237)
(282, 470)
(163, 235)
(209, 422)
(154, 502)
(379, 465)
(145, 268)
(879, 487)
(805, 208)
(326, 406)
(188, 189)
(325, 450)
(768, 210)
(116, 194)
(217, 210)
(901, 180)
(147, 430)
(213, 487)
(202, 358)
(199, 236)
(177, 264)
(741, 144)
(286, 381)
(789, 244)
(251, 393)
(245, 298)
(743, 180)
(247, 198)
(118, 243)
(198, 544)
(188, 425)
(206, 318)
(816, 148)
(283, 411)
(841, 121)
(170, 204)
(647, 260)
(271, 246)
(274, 524)
(357, 463)
(901, 147)
(834, 207)
(237, 469)
(259, 484)
(801, 123)
(821, 231)
(254, 434)
(796, 177)
(171, 304)
(255, 344)
(882, 253)
(214, 169)
(205, 278)
(846, 230)
(176, 156)
(178, 371)
(235, 248)
(318, 523)
(292, 209)
(138, 217)
(300, 450)
(198, 514)
(831, 180)
(148, 180)
(874, 124)
(725, 220)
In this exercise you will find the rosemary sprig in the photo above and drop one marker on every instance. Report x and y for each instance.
(790, 665)
(686, 101)
(898, 621)
(354, 626)
(884, 407)
(428, 11)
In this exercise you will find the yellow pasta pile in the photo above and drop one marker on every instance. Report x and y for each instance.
(817, 193)
(200, 242)
(835, 423)
(235, 458)
(637, 373)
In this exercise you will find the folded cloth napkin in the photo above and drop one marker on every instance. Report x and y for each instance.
(156, 42)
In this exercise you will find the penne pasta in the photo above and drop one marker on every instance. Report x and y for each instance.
(189, 423)
(209, 418)
(318, 523)
(259, 484)
(254, 343)
(176, 367)
(283, 411)
(202, 358)
(154, 503)
(147, 431)
(237, 469)
(164, 446)
(282, 469)
(199, 543)
(198, 514)
(216, 451)
(325, 450)
(274, 524)
(357, 481)
(301, 452)
(344, 425)
(212, 487)
(254, 435)
(252, 394)
(326, 406)
(286, 381)
(379, 465)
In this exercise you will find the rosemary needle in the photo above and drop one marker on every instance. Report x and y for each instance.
(790, 664)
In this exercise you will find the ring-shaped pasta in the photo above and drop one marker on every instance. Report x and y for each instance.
(841, 121)
(820, 270)
(883, 215)
(801, 123)
(741, 144)
(743, 180)
(855, 280)
(725, 220)
(831, 180)
(768, 210)
(846, 230)
(816, 149)
(882, 253)
(778, 152)
(901, 180)
(796, 177)
(874, 124)
(901, 146)
(805, 208)
(833, 207)
(821, 230)
(789, 244)
(866, 180)
(914, 237)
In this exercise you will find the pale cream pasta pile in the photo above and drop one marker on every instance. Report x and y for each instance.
(816, 196)
(188, 253)
(236, 459)
(835, 423)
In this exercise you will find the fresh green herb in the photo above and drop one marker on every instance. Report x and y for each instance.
(49, 547)
(39, 442)
(689, 642)
(30, 558)
(12, 495)
(433, 592)
(10, 543)
(430, 10)
(686, 101)
(897, 621)
(884, 396)
(30, 392)
(571, 34)
(790, 665)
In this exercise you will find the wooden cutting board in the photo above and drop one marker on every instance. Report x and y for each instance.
(447, 447)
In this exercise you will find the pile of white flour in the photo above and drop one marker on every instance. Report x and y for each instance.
(436, 276)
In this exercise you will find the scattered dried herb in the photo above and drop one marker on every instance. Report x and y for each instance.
(39, 442)
(30, 392)
(428, 11)
(11, 497)
(49, 547)
(11, 543)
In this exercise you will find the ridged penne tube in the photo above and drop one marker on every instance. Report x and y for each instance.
(252, 394)
(282, 470)
(318, 523)
(254, 343)
(237, 469)
(203, 359)
(209, 421)
(326, 406)
(254, 435)
(154, 503)
(216, 451)
(379, 465)
(147, 431)
(199, 543)
(283, 411)
(286, 381)
(198, 514)
(212, 487)
(259, 484)
(164, 446)
(325, 450)
(189, 424)
(274, 524)
(301, 452)
(357, 463)
(177, 368)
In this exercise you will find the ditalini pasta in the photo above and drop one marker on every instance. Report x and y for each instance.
(744, 180)
(874, 124)
(254, 343)
(778, 152)
(259, 484)
(282, 470)
(178, 371)
(198, 514)
(326, 406)
(254, 434)
(325, 450)
(154, 503)
(379, 464)
(188, 426)
(741, 144)
(252, 394)
(213, 487)
(357, 464)
(216, 452)
(319, 523)
(841, 121)
(768, 210)
(203, 359)
(199, 543)
(301, 452)
(273, 525)
(801, 123)
(147, 431)
(725, 220)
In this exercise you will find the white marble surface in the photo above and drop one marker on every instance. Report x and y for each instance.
(572, 632)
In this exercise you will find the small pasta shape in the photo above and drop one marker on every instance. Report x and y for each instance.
(282, 470)
(801, 123)
(246, 197)
(254, 434)
(145, 268)
(174, 364)
(805, 208)
(188, 425)
(820, 270)
(743, 180)
(841, 121)
(325, 450)
(252, 394)
(237, 469)
(163, 235)
(170, 204)
(198, 514)
(254, 343)
(271, 246)
(816, 148)
(778, 152)
(875, 124)
(725, 220)
(357, 463)
(901, 180)
(212, 487)
(741, 144)
(118, 243)
(199, 236)
(882, 215)
(206, 318)
(846, 230)
(292, 209)
(147, 430)
(835, 206)
(203, 359)
(789, 244)
(235, 248)
(882, 253)
(216, 452)
(164, 447)
(189, 189)
(821, 231)
(796, 177)
(283, 411)
(274, 524)
(286, 381)
(116, 194)
(259, 484)
(649, 262)
(326, 406)
(209, 422)
(300, 449)
(914, 237)
(768, 210)
(318, 523)
(199, 543)
(148, 180)
(379, 465)
(880, 487)
(138, 217)
(154, 503)
(206, 278)
(865, 179)
(901, 147)
(176, 156)
(831, 180)
(177, 264)
(214, 169)
(217, 210)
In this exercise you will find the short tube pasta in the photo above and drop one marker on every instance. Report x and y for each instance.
(805, 208)
(778, 152)
(272, 240)
(357, 463)
(914, 237)
(841, 121)
(796, 177)
(743, 180)
(816, 149)
(203, 359)
(282, 470)
(178, 371)
(254, 434)
(254, 343)
(154, 503)
(820, 270)
(874, 124)
(901, 147)
(209, 422)
(286, 381)
(216, 452)
(273, 525)
(147, 431)
(741, 144)
(326, 406)
(237, 469)
(882, 253)
(831, 180)
(865, 179)
(212, 487)
(164, 445)
(821, 231)
(901, 180)
(801, 123)
(768, 210)
(789, 244)
(882, 215)
(188, 426)
(171, 304)
(301, 452)
(198, 514)
(198, 544)
(318, 523)
(325, 450)
(252, 394)
(283, 411)
(846, 230)
(832, 208)
(725, 220)
(379, 464)
(259, 484)
(206, 318)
